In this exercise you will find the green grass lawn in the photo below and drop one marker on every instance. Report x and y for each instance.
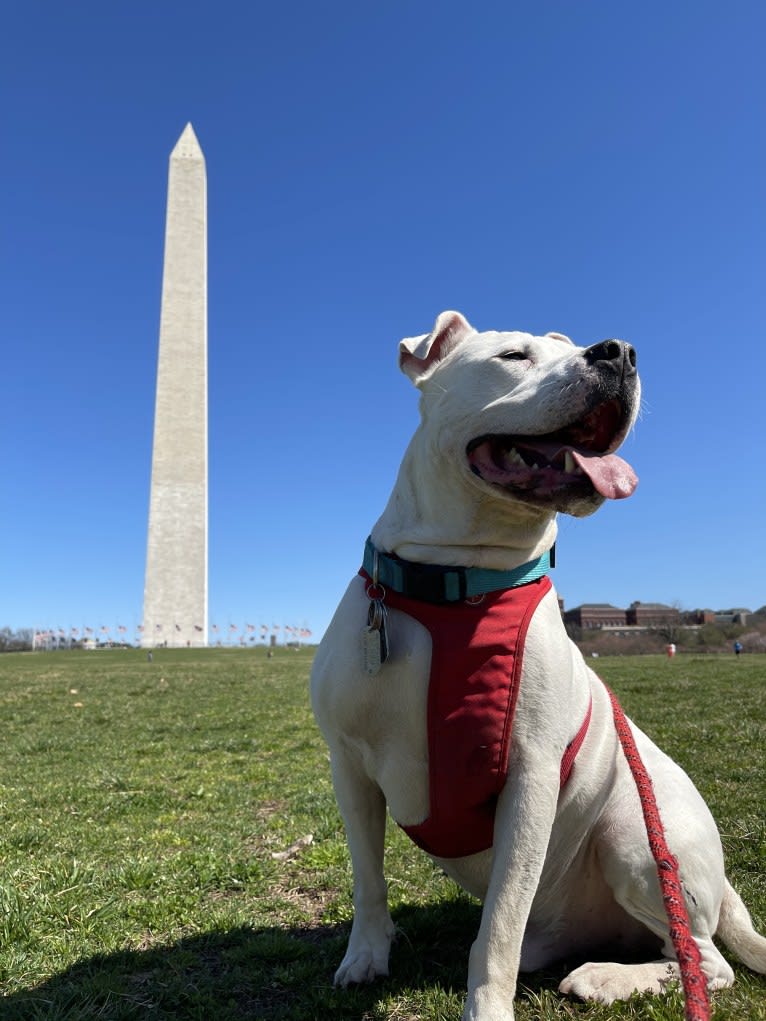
(143, 803)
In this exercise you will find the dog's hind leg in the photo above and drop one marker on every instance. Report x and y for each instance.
(639, 894)
(363, 808)
(607, 981)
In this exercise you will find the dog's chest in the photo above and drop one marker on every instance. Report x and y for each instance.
(476, 665)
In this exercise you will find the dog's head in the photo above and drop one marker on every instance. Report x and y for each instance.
(533, 420)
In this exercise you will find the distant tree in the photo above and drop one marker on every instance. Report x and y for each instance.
(574, 631)
(15, 641)
(672, 630)
(710, 636)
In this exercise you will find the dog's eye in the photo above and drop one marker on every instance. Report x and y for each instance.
(513, 356)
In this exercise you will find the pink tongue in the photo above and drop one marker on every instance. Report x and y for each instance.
(610, 475)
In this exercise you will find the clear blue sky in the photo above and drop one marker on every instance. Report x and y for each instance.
(594, 168)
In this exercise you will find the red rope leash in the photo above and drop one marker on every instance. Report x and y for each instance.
(697, 1004)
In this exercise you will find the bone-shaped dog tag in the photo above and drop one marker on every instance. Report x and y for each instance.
(375, 638)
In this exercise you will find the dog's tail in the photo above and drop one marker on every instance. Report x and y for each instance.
(735, 928)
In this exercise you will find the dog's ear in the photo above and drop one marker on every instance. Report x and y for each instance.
(418, 355)
(560, 336)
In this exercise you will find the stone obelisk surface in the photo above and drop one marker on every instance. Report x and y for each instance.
(175, 588)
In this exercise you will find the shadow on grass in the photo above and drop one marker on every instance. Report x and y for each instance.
(269, 974)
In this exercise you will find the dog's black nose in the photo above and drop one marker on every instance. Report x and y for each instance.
(620, 356)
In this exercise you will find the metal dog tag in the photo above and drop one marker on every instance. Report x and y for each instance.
(375, 638)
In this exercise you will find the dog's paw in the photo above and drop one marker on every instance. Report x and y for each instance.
(366, 956)
(361, 965)
(605, 982)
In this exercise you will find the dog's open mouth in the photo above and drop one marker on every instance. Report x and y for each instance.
(573, 458)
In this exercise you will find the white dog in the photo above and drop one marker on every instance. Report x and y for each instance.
(513, 429)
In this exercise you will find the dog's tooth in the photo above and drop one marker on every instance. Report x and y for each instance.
(569, 463)
(513, 456)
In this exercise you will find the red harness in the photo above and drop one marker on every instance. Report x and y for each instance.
(476, 661)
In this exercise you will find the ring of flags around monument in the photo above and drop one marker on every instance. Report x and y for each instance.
(108, 635)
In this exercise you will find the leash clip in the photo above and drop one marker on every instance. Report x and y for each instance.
(375, 592)
(375, 636)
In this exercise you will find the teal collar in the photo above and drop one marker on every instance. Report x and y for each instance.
(433, 583)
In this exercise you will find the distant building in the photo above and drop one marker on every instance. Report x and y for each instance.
(720, 617)
(696, 618)
(590, 616)
(732, 617)
(645, 617)
(650, 615)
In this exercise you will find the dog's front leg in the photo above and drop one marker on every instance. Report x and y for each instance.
(363, 808)
(523, 824)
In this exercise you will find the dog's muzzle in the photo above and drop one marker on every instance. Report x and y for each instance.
(615, 356)
(576, 464)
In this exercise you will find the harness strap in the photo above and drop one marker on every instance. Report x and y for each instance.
(571, 750)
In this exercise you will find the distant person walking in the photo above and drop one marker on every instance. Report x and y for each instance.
(737, 648)
(671, 650)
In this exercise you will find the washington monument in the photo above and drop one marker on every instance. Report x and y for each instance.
(175, 587)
